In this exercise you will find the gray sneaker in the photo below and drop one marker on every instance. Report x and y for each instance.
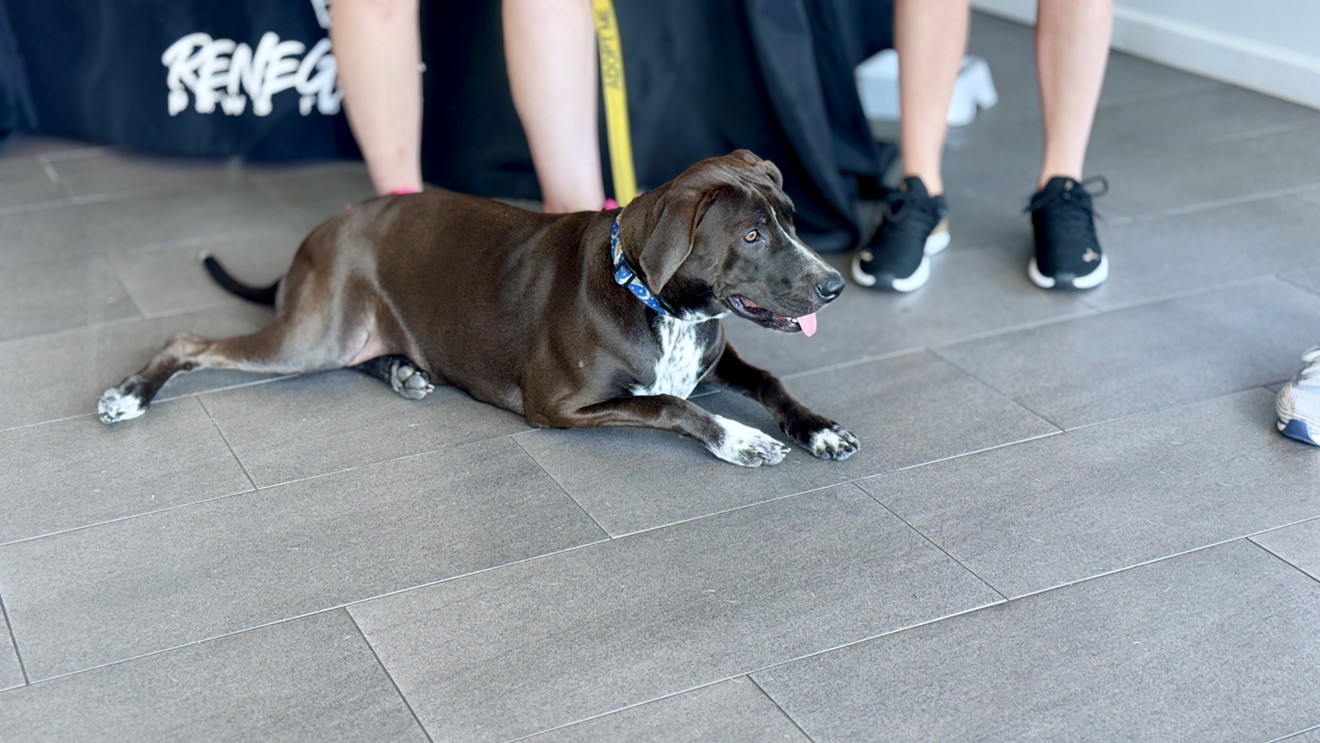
(1298, 405)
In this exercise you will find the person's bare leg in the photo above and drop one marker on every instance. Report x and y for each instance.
(1072, 48)
(930, 37)
(550, 50)
(378, 52)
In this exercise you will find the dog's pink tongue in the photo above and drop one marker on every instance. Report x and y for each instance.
(808, 324)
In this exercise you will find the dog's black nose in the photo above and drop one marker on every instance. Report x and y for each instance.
(830, 286)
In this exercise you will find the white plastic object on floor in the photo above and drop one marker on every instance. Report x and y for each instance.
(877, 86)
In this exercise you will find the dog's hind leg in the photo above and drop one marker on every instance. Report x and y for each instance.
(401, 374)
(283, 347)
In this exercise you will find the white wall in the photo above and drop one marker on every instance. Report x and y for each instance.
(1272, 46)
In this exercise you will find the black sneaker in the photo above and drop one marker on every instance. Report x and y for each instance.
(1068, 254)
(915, 227)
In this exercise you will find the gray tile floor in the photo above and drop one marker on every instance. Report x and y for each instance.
(1072, 518)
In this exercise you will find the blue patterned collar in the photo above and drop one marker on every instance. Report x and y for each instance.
(626, 276)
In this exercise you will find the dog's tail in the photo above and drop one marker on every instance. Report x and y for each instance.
(256, 294)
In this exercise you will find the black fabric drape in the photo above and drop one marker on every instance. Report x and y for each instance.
(704, 77)
(93, 69)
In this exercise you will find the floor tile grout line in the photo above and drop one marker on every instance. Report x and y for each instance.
(127, 517)
(168, 187)
(748, 673)
(346, 605)
(384, 669)
(1206, 85)
(1252, 538)
(1011, 601)
(1293, 283)
(45, 334)
(158, 401)
(69, 331)
(811, 490)
(1242, 135)
(1019, 328)
(400, 458)
(779, 707)
(888, 633)
(218, 304)
(53, 175)
(625, 708)
(562, 489)
(1136, 144)
(1091, 313)
(255, 488)
(859, 361)
(932, 542)
(668, 695)
(1192, 293)
(1173, 406)
(420, 586)
(1138, 565)
(963, 455)
(1006, 602)
(85, 200)
(216, 426)
(936, 352)
(18, 655)
(34, 206)
(939, 353)
(182, 646)
(119, 281)
(1283, 560)
(88, 152)
(1204, 206)
(1290, 736)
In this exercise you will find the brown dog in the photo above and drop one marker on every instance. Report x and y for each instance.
(586, 319)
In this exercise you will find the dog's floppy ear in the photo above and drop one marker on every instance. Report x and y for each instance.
(747, 156)
(771, 170)
(673, 233)
(760, 165)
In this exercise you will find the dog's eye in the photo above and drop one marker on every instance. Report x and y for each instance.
(751, 236)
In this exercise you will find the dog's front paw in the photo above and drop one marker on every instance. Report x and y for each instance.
(123, 402)
(409, 381)
(746, 446)
(833, 442)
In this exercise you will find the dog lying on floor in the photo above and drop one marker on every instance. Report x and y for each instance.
(585, 319)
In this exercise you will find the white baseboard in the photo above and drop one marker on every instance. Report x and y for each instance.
(1279, 72)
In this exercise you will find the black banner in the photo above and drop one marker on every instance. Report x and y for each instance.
(256, 78)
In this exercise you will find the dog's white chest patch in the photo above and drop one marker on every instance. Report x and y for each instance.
(679, 367)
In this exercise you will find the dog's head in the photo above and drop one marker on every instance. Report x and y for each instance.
(720, 238)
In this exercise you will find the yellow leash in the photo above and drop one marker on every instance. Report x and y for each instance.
(616, 101)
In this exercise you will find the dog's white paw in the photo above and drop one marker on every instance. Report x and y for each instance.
(746, 446)
(409, 381)
(833, 443)
(120, 403)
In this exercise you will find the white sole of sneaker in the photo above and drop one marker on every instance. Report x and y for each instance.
(939, 240)
(1089, 281)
